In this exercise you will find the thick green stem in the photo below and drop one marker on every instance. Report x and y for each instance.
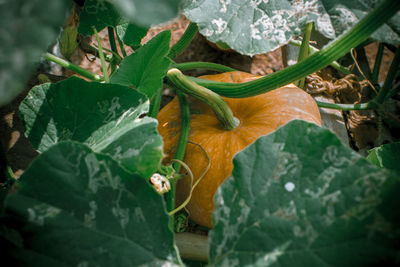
(121, 46)
(180, 152)
(113, 46)
(221, 109)
(334, 64)
(304, 51)
(185, 129)
(184, 41)
(380, 98)
(68, 65)
(361, 61)
(360, 32)
(346, 107)
(101, 54)
(201, 65)
(377, 65)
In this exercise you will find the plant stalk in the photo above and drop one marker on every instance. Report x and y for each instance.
(184, 41)
(201, 65)
(185, 130)
(352, 38)
(111, 39)
(304, 51)
(68, 65)
(179, 153)
(121, 46)
(378, 62)
(221, 109)
(361, 61)
(334, 64)
(387, 86)
(347, 107)
(101, 54)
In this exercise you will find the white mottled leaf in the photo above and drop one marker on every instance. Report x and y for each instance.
(259, 26)
(75, 207)
(107, 117)
(299, 197)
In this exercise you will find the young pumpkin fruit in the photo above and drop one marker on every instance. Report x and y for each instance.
(258, 115)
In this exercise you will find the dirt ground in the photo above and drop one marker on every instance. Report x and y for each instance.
(19, 152)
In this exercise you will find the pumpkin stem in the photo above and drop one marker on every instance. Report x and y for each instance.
(215, 101)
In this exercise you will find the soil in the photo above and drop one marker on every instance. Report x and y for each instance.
(19, 153)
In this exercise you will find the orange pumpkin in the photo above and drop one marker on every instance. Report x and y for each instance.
(258, 115)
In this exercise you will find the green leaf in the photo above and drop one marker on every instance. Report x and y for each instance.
(75, 207)
(131, 34)
(107, 117)
(344, 14)
(387, 156)
(147, 13)
(299, 197)
(27, 30)
(97, 13)
(145, 69)
(143, 13)
(261, 26)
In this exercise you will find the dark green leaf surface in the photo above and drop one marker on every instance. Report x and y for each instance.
(254, 27)
(97, 13)
(131, 34)
(27, 31)
(75, 207)
(299, 197)
(107, 117)
(387, 156)
(146, 13)
(344, 14)
(146, 68)
(143, 13)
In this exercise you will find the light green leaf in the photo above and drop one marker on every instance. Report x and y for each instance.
(107, 117)
(147, 13)
(299, 197)
(146, 68)
(27, 31)
(75, 207)
(254, 27)
(131, 34)
(387, 156)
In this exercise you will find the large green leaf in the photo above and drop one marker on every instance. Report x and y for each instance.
(299, 197)
(146, 68)
(75, 207)
(27, 30)
(387, 156)
(143, 13)
(254, 27)
(107, 117)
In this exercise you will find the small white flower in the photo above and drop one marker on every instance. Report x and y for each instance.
(160, 183)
